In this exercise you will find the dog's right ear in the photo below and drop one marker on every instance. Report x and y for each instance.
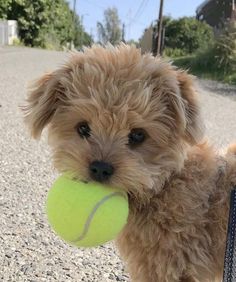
(42, 102)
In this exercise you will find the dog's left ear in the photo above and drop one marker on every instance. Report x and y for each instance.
(45, 96)
(194, 126)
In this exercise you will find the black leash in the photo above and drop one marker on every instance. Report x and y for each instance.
(230, 252)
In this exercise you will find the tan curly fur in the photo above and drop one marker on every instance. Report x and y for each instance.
(178, 186)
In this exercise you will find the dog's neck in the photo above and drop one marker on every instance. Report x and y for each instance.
(138, 203)
(199, 163)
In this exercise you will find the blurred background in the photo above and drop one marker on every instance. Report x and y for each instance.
(198, 35)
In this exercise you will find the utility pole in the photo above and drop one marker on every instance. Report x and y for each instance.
(82, 31)
(74, 6)
(123, 33)
(73, 20)
(159, 28)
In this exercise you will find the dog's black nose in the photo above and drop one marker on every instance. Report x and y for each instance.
(100, 170)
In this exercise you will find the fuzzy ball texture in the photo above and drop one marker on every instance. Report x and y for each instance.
(86, 214)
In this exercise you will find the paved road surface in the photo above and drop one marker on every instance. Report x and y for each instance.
(28, 249)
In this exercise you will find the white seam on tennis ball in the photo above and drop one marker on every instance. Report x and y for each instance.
(91, 215)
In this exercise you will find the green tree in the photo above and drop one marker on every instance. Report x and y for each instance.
(44, 23)
(110, 30)
(81, 37)
(187, 34)
(4, 5)
(31, 17)
(133, 42)
(225, 49)
(57, 28)
(166, 21)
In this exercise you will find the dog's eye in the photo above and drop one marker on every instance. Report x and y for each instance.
(136, 136)
(83, 129)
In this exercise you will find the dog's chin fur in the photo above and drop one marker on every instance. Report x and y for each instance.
(178, 190)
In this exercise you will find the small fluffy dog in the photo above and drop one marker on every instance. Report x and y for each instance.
(132, 121)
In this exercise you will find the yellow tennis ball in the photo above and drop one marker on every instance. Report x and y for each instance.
(86, 214)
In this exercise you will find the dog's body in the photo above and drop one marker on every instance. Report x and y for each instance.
(180, 234)
(133, 122)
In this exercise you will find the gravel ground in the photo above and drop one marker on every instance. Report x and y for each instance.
(29, 251)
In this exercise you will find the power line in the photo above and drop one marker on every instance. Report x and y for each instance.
(140, 10)
(104, 8)
(129, 21)
(95, 4)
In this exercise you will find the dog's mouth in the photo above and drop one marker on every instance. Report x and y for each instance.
(84, 181)
(129, 196)
(79, 179)
(104, 183)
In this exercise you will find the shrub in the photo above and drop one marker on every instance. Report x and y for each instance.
(215, 61)
(44, 23)
(225, 49)
(221, 55)
(17, 42)
(187, 34)
(174, 52)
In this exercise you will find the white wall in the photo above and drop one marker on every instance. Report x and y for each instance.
(8, 32)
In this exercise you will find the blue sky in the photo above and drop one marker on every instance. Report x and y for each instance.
(136, 14)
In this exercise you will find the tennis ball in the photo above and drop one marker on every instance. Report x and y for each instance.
(86, 214)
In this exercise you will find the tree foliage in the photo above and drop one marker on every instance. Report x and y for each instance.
(133, 42)
(80, 36)
(187, 34)
(225, 49)
(110, 29)
(216, 61)
(43, 23)
(4, 5)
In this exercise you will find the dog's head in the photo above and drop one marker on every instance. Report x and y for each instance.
(117, 117)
